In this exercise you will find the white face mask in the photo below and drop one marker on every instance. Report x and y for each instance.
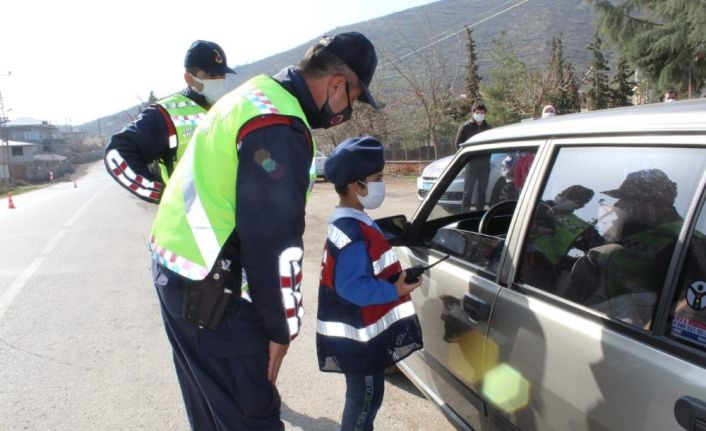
(214, 89)
(375, 196)
(478, 118)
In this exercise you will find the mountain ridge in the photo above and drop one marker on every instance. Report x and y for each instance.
(439, 26)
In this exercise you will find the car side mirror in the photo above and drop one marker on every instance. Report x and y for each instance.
(449, 241)
(395, 229)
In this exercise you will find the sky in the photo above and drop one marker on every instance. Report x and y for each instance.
(73, 61)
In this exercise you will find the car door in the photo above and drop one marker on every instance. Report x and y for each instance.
(455, 300)
(594, 329)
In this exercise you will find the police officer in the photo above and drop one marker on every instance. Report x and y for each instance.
(236, 201)
(163, 130)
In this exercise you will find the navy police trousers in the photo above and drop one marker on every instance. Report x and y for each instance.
(222, 372)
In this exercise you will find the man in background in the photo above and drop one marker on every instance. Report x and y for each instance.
(478, 169)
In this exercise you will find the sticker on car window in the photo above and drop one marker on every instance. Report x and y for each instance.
(695, 295)
(689, 329)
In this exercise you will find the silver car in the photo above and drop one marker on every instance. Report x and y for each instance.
(453, 196)
(581, 304)
(319, 161)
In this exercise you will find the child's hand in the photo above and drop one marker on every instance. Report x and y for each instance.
(404, 288)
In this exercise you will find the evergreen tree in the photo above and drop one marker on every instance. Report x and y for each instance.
(572, 100)
(472, 78)
(557, 93)
(622, 85)
(664, 39)
(598, 93)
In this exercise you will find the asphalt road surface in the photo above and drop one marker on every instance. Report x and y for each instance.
(82, 345)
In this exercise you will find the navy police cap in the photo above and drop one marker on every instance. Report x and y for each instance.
(354, 159)
(207, 56)
(359, 54)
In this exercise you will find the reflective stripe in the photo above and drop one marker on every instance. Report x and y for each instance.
(181, 104)
(388, 258)
(127, 177)
(197, 218)
(176, 263)
(290, 272)
(337, 237)
(261, 102)
(338, 329)
(187, 120)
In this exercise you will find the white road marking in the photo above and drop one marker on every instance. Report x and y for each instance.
(11, 293)
(17, 285)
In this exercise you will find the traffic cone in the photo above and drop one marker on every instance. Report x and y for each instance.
(10, 204)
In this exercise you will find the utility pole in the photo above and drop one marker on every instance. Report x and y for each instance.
(3, 136)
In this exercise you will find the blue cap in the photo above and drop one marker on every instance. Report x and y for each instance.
(207, 56)
(359, 54)
(354, 159)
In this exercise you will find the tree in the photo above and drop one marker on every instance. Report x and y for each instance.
(472, 78)
(429, 86)
(599, 92)
(622, 85)
(516, 90)
(664, 39)
(572, 100)
(556, 69)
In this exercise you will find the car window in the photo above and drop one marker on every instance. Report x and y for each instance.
(475, 209)
(687, 319)
(604, 229)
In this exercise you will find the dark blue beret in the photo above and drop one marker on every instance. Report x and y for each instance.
(353, 160)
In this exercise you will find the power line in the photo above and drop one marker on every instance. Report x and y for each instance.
(475, 24)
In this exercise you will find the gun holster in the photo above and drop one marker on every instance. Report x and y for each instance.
(205, 301)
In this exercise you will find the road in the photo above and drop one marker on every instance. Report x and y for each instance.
(82, 345)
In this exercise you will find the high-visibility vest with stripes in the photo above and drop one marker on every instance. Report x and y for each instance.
(567, 229)
(632, 266)
(185, 115)
(197, 212)
(355, 339)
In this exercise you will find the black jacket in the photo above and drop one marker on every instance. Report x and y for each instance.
(467, 130)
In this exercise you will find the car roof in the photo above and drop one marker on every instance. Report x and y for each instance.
(686, 116)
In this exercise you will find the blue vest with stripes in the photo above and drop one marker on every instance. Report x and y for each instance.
(355, 339)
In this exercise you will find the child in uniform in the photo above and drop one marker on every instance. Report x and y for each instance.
(366, 321)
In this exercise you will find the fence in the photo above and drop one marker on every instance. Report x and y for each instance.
(410, 167)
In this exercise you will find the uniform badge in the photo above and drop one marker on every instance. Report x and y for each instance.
(218, 59)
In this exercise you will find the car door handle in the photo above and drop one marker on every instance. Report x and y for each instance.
(477, 309)
(691, 413)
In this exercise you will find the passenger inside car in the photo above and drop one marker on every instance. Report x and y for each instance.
(622, 278)
(557, 230)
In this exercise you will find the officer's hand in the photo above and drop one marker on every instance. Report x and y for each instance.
(277, 352)
(404, 288)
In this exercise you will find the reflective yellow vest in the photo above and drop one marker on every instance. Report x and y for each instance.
(185, 115)
(197, 212)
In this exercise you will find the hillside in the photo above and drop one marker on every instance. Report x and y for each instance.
(529, 27)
